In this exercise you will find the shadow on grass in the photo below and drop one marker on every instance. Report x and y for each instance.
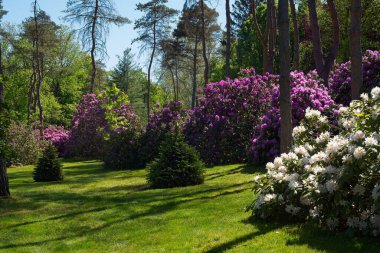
(69, 215)
(242, 169)
(304, 234)
(262, 228)
(327, 241)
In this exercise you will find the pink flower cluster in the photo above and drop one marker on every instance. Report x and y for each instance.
(89, 127)
(306, 91)
(340, 77)
(221, 126)
(58, 136)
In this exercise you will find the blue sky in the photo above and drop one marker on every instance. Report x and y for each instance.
(119, 37)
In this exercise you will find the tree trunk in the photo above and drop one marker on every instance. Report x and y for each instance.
(296, 53)
(150, 68)
(323, 67)
(228, 41)
(176, 77)
(4, 183)
(204, 46)
(334, 49)
(272, 35)
(316, 36)
(93, 46)
(2, 76)
(263, 37)
(355, 49)
(285, 100)
(194, 96)
(173, 82)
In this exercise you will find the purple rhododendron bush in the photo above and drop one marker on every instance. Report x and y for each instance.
(307, 90)
(332, 180)
(97, 118)
(340, 77)
(163, 119)
(222, 125)
(58, 136)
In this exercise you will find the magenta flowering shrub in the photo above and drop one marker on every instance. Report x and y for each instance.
(58, 136)
(164, 119)
(306, 91)
(340, 77)
(221, 126)
(93, 123)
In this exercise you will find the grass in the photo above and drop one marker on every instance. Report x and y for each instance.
(113, 211)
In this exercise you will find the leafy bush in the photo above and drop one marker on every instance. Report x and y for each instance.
(58, 136)
(306, 91)
(221, 126)
(178, 164)
(333, 180)
(49, 167)
(340, 77)
(161, 121)
(123, 151)
(22, 144)
(97, 117)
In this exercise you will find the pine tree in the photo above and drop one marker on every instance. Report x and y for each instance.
(97, 16)
(177, 164)
(153, 27)
(49, 167)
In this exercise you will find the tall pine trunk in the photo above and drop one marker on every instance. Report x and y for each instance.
(228, 41)
(93, 46)
(296, 48)
(272, 35)
(195, 55)
(150, 68)
(316, 36)
(323, 66)
(204, 44)
(285, 100)
(40, 71)
(2, 95)
(355, 49)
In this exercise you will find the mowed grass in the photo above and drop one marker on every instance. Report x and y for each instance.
(95, 210)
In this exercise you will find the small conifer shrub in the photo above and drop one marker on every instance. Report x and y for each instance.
(177, 164)
(49, 167)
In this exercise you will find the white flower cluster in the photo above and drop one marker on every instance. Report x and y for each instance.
(303, 182)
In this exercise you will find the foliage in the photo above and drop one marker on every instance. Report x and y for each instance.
(49, 167)
(58, 136)
(96, 118)
(306, 91)
(221, 126)
(177, 164)
(162, 121)
(129, 78)
(122, 151)
(23, 146)
(333, 180)
(340, 77)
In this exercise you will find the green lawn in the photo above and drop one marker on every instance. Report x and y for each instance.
(113, 211)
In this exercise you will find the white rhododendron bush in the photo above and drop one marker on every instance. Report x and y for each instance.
(332, 174)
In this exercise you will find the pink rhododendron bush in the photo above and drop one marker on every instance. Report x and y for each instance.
(340, 77)
(221, 127)
(307, 90)
(333, 180)
(58, 136)
(97, 118)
